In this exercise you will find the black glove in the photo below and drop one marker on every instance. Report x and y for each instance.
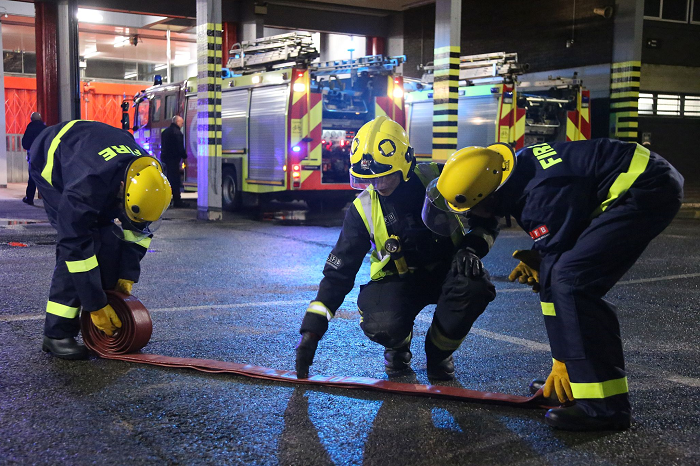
(467, 263)
(306, 349)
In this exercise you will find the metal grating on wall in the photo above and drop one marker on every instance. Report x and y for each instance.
(234, 109)
(420, 132)
(477, 120)
(268, 133)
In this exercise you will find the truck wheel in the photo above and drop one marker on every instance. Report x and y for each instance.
(230, 192)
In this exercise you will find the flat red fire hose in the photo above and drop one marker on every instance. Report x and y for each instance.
(137, 328)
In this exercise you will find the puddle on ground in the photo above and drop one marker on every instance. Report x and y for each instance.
(10, 221)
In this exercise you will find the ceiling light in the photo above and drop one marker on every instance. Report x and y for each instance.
(89, 16)
(160, 67)
(121, 41)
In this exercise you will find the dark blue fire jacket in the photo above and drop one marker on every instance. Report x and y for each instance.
(82, 165)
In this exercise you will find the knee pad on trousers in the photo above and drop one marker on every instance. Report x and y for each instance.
(388, 336)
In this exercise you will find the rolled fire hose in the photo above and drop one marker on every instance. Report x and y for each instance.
(136, 332)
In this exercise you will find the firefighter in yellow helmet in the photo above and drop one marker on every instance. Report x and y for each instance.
(591, 208)
(410, 266)
(89, 174)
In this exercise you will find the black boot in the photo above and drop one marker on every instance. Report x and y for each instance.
(64, 348)
(397, 359)
(578, 419)
(441, 365)
(441, 369)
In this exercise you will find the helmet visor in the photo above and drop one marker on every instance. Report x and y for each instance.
(380, 183)
(436, 214)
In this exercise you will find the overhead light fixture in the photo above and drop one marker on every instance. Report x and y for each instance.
(134, 74)
(121, 41)
(89, 16)
(160, 67)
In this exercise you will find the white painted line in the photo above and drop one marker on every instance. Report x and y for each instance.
(229, 306)
(659, 279)
(623, 282)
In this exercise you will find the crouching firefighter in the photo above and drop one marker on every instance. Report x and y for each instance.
(411, 267)
(88, 174)
(591, 208)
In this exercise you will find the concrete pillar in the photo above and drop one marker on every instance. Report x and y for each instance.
(209, 110)
(45, 27)
(252, 20)
(68, 70)
(3, 134)
(229, 38)
(324, 47)
(375, 45)
(625, 70)
(448, 19)
(394, 43)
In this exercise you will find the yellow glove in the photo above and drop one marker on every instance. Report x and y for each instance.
(106, 320)
(559, 380)
(124, 286)
(528, 270)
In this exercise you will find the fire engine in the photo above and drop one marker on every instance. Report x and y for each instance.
(494, 107)
(287, 120)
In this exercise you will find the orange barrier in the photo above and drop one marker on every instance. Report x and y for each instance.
(99, 101)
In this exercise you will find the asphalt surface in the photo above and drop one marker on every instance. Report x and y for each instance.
(236, 290)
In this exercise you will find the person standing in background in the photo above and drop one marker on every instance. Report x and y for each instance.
(34, 127)
(172, 152)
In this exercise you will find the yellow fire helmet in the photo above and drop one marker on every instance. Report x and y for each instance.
(147, 191)
(472, 173)
(379, 149)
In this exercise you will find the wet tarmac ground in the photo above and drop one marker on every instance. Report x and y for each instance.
(236, 291)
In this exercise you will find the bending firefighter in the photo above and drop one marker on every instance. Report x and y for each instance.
(411, 267)
(591, 208)
(88, 174)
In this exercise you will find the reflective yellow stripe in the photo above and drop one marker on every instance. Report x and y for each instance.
(61, 310)
(82, 266)
(48, 169)
(441, 341)
(317, 307)
(548, 309)
(369, 200)
(132, 237)
(600, 389)
(622, 183)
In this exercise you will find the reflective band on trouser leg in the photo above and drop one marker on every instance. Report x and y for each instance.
(548, 309)
(622, 183)
(137, 329)
(132, 237)
(441, 341)
(83, 265)
(600, 389)
(406, 341)
(48, 168)
(61, 310)
(317, 307)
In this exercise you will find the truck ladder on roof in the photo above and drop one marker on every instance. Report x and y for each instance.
(268, 53)
(371, 63)
(484, 68)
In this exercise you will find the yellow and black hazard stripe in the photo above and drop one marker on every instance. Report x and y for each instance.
(211, 84)
(624, 98)
(445, 95)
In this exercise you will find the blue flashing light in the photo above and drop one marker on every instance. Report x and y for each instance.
(296, 149)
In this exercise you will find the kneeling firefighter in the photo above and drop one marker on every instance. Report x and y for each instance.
(88, 174)
(411, 267)
(591, 208)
